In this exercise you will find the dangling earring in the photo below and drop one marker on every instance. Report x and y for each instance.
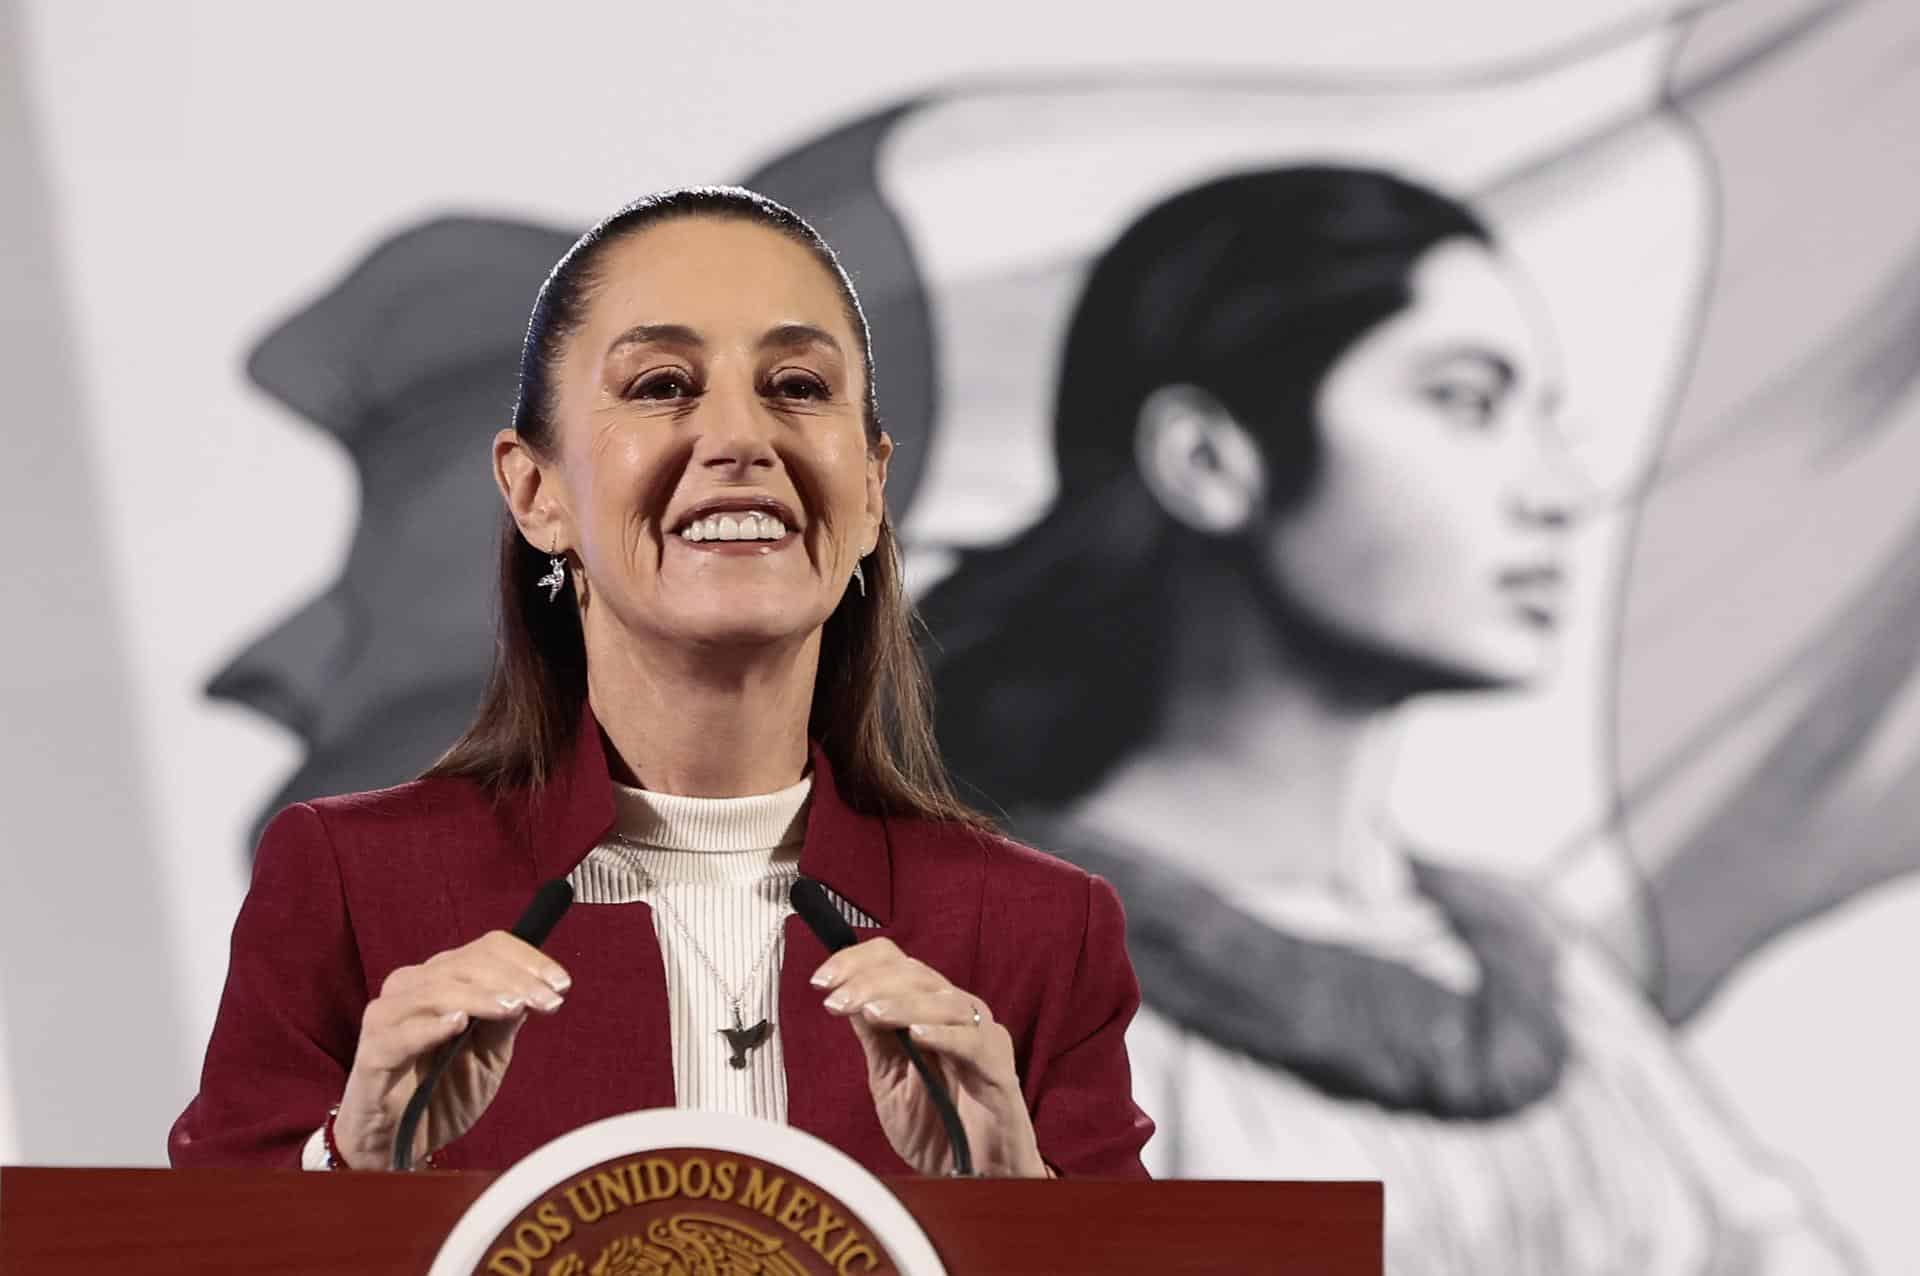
(555, 579)
(860, 579)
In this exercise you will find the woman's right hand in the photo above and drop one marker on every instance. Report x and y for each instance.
(493, 982)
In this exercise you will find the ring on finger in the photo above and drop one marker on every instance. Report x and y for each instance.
(976, 1013)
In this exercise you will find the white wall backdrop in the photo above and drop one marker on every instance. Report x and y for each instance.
(181, 176)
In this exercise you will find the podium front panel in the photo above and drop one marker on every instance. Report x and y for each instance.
(292, 1223)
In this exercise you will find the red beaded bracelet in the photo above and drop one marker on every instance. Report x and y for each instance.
(335, 1161)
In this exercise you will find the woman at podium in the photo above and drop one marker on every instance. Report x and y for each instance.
(705, 689)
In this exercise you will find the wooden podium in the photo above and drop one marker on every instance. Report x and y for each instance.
(173, 1222)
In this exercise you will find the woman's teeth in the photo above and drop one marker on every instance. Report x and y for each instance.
(748, 525)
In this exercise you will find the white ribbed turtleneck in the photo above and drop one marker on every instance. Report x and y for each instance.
(716, 872)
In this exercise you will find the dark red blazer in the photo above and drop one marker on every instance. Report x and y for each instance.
(347, 889)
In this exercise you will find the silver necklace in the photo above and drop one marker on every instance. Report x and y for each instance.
(740, 1037)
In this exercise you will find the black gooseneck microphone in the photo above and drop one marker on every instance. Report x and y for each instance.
(830, 928)
(549, 904)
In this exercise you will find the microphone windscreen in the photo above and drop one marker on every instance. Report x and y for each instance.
(549, 904)
(822, 918)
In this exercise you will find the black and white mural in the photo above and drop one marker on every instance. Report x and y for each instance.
(1427, 506)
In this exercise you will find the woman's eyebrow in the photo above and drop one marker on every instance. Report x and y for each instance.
(1502, 369)
(792, 336)
(651, 334)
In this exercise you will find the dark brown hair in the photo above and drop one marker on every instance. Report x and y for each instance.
(871, 705)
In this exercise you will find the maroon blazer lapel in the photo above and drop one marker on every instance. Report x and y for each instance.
(844, 849)
(609, 1049)
(827, 1094)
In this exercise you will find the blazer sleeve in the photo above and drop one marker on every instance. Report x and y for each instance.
(289, 1018)
(1080, 1088)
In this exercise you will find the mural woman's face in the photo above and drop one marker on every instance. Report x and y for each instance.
(713, 461)
(1434, 530)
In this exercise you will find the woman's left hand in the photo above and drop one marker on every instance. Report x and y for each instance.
(878, 989)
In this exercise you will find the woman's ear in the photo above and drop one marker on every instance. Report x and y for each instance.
(529, 495)
(1199, 463)
(877, 458)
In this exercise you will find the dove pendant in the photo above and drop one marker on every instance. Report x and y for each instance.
(743, 1039)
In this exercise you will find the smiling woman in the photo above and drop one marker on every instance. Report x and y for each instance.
(696, 355)
(705, 689)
